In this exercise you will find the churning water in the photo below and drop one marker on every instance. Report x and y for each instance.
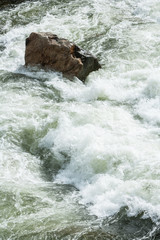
(81, 161)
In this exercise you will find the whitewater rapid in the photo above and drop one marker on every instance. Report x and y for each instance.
(99, 140)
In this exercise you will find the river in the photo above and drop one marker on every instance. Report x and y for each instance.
(81, 161)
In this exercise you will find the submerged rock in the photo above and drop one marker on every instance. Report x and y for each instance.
(59, 54)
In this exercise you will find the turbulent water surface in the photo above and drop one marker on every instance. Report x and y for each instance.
(81, 161)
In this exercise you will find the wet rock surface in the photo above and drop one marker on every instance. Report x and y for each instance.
(59, 54)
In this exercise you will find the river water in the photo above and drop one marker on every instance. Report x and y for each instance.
(81, 161)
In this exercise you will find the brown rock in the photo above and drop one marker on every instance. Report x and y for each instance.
(49, 51)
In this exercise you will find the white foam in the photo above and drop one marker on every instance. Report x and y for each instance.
(112, 160)
(111, 157)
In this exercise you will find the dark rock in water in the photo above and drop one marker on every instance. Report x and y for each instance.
(59, 54)
(126, 227)
(6, 2)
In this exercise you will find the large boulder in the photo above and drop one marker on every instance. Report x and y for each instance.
(59, 54)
